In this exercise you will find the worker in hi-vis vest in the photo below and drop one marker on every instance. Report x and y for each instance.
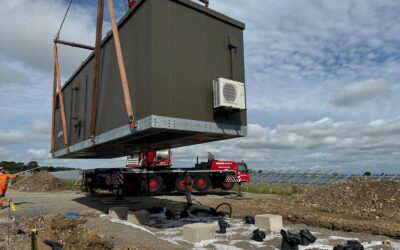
(4, 177)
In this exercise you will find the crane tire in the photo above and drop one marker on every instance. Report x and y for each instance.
(154, 184)
(227, 185)
(201, 183)
(179, 186)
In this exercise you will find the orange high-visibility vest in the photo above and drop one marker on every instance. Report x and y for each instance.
(4, 181)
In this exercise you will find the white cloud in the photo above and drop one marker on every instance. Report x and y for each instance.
(299, 52)
(36, 154)
(11, 137)
(41, 127)
(319, 156)
(360, 91)
(29, 27)
(305, 144)
(10, 73)
(41, 130)
(5, 154)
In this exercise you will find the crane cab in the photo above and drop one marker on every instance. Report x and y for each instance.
(150, 159)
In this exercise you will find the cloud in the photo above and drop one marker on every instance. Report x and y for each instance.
(41, 130)
(11, 137)
(299, 52)
(360, 91)
(5, 154)
(29, 27)
(12, 74)
(305, 144)
(36, 154)
(319, 156)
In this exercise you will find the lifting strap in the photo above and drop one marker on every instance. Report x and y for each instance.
(60, 96)
(61, 99)
(53, 111)
(96, 71)
(121, 65)
(97, 56)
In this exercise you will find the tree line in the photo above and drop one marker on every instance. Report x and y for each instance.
(16, 167)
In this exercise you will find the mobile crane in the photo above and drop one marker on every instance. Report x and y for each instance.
(151, 172)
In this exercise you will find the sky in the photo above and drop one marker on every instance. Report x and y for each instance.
(322, 81)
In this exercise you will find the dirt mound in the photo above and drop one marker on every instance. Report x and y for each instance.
(360, 198)
(70, 232)
(72, 235)
(41, 181)
(359, 205)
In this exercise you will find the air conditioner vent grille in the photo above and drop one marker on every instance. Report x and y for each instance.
(229, 95)
(229, 92)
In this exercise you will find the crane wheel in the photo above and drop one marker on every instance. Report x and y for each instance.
(131, 186)
(154, 184)
(201, 183)
(227, 185)
(179, 184)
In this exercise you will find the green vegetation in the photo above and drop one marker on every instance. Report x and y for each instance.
(16, 167)
(72, 184)
(258, 188)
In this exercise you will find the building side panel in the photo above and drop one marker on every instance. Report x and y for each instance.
(222, 62)
(187, 59)
(79, 105)
(161, 56)
(190, 50)
(134, 36)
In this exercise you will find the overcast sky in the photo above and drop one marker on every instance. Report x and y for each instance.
(322, 77)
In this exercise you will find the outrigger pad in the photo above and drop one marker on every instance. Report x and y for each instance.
(290, 240)
(258, 235)
(306, 237)
(223, 225)
(249, 219)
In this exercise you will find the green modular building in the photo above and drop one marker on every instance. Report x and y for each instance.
(185, 68)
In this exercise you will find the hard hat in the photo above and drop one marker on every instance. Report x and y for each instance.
(1, 169)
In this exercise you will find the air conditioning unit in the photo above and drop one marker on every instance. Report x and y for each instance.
(229, 94)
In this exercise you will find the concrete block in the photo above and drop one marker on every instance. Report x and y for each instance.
(139, 217)
(175, 207)
(118, 213)
(198, 231)
(269, 222)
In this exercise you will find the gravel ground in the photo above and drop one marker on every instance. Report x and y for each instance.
(39, 209)
(356, 206)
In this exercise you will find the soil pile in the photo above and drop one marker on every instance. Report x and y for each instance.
(359, 198)
(41, 181)
(69, 232)
(359, 205)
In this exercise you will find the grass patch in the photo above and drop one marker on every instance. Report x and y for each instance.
(265, 188)
(72, 184)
